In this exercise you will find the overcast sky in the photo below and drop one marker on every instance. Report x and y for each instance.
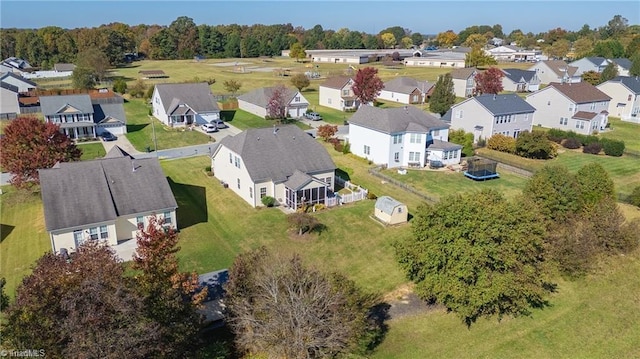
(426, 17)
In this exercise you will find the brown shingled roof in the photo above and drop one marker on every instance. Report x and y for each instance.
(336, 82)
(584, 115)
(559, 66)
(463, 73)
(581, 92)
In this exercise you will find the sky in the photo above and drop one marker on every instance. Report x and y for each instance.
(425, 17)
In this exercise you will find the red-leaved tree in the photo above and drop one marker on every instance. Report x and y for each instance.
(276, 103)
(172, 297)
(489, 81)
(30, 144)
(327, 131)
(367, 85)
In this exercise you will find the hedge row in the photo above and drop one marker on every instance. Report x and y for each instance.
(590, 143)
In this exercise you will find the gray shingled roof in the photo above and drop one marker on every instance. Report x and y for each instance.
(261, 96)
(518, 75)
(443, 145)
(394, 120)
(60, 67)
(18, 77)
(83, 193)
(50, 105)
(632, 83)
(559, 67)
(197, 96)
(463, 73)
(276, 153)
(336, 82)
(407, 85)
(109, 110)
(9, 86)
(622, 62)
(504, 104)
(387, 204)
(299, 179)
(596, 60)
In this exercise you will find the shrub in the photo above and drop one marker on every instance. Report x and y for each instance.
(587, 140)
(502, 143)
(120, 86)
(571, 143)
(634, 197)
(592, 148)
(535, 145)
(371, 195)
(612, 147)
(318, 207)
(481, 142)
(556, 135)
(268, 201)
(346, 148)
(208, 168)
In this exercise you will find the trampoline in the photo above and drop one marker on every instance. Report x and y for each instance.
(480, 169)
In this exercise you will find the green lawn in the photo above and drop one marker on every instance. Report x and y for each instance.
(92, 150)
(625, 131)
(140, 130)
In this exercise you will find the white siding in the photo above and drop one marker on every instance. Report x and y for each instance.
(224, 168)
(624, 103)
(377, 142)
(9, 101)
(252, 108)
(330, 97)
(158, 108)
(394, 96)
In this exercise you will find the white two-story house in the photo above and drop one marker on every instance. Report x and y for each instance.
(337, 92)
(401, 137)
(625, 97)
(257, 101)
(184, 104)
(549, 71)
(579, 107)
(464, 81)
(487, 115)
(406, 90)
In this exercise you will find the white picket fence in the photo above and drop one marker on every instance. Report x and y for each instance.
(357, 194)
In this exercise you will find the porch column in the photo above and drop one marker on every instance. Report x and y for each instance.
(75, 131)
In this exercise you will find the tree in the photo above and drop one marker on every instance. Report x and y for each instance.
(489, 81)
(443, 96)
(367, 85)
(582, 47)
(171, 296)
(81, 307)
(594, 184)
(477, 57)
(475, 41)
(120, 86)
(635, 65)
(609, 72)
(388, 40)
(30, 144)
(406, 42)
(276, 103)
(303, 222)
(300, 81)
(465, 139)
(296, 51)
(591, 77)
(327, 132)
(555, 191)
(417, 38)
(232, 86)
(477, 254)
(535, 145)
(634, 197)
(83, 78)
(559, 49)
(447, 38)
(94, 61)
(281, 309)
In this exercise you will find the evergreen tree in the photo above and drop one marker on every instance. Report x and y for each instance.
(443, 96)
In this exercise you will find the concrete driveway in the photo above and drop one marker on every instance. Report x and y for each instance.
(122, 142)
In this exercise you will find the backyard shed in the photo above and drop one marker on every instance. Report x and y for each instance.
(390, 211)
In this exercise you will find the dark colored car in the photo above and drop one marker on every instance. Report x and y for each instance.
(108, 136)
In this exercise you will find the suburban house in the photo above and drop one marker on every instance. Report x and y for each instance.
(390, 211)
(336, 92)
(87, 114)
(184, 104)
(464, 83)
(106, 199)
(556, 71)
(9, 105)
(18, 81)
(14, 64)
(406, 90)
(625, 97)
(597, 64)
(622, 65)
(401, 137)
(518, 80)
(513, 53)
(256, 102)
(488, 114)
(579, 107)
(281, 162)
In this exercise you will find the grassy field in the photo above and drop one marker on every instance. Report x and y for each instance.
(92, 150)
(625, 131)
(140, 130)
(624, 171)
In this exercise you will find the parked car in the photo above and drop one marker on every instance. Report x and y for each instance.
(108, 136)
(313, 116)
(219, 123)
(209, 127)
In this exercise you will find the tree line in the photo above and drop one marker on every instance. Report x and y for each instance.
(184, 39)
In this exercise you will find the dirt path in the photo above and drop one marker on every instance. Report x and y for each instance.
(404, 302)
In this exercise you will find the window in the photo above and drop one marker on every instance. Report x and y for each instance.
(140, 222)
(571, 108)
(564, 121)
(297, 99)
(77, 236)
(399, 209)
(367, 150)
(327, 180)
(580, 124)
(397, 139)
(238, 180)
(396, 156)
(459, 115)
(345, 92)
(629, 98)
(103, 232)
(250, 192)
(526, 117)
(237, 161)
(329, 101)
(263, 192)
(230, 157)
(415, 138)
(592, 106)
(435, 133)
(414, 156)
(167, 217)
(93, 233)
(455, 154)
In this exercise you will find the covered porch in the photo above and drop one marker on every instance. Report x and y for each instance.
(78, 130)
(302, 189)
